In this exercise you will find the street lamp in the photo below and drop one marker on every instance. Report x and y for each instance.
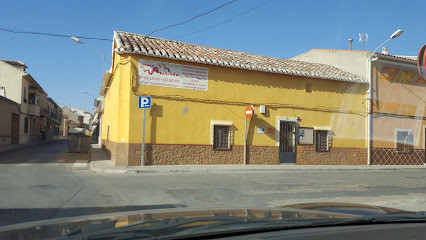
(75, 39)
(84, 92)
(396, 34)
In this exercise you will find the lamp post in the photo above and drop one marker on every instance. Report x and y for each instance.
(397, 33)
(84, 92)
(75, 39)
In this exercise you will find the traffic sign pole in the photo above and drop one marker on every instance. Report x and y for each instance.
(249, 114)
(245, 141)
(143, 138)
(144, 103)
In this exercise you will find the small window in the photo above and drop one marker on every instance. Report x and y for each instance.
(26, 125)
(308, 87)
(221, 138)
(2, 91)
(404, 140)
(322, 141)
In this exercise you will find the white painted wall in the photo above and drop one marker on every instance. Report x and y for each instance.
(352, 61)
(86, 115)
(11, 79)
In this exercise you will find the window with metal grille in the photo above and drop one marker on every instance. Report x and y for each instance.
(221, 137)
(321, 141)
(404, 141)
(108, 133)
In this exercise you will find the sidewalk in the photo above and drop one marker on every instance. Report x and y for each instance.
(10, 147)
(101, 163)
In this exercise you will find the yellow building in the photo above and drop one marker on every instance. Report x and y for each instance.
(305, 113)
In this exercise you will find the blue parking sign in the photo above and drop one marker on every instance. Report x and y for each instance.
(144, 102)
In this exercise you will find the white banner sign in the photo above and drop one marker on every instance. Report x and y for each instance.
(172, 75)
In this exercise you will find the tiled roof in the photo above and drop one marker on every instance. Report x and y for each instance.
(164, 48)
(412, 58)
(15, 63)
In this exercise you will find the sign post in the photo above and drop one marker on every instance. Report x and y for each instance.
(249, 114)
(144, 103)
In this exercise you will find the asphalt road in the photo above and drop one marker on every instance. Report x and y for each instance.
(45, 181)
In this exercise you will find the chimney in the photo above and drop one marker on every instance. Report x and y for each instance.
(350, 43)
(385, 50)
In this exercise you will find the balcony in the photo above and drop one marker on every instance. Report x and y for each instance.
(44, 112)
(33, 110)
(53, 115)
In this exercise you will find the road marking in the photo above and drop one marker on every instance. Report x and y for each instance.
(41, 164)
(24, 164)
(80, 164)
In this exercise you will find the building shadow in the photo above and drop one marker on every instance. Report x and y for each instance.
(48, 152)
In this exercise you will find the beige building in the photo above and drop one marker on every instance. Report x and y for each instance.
(15, 87)
(9, 125)
(54, 120)
(70, 119)
(397, 131)
(29, 123)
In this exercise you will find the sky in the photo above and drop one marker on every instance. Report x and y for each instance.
(278, 28)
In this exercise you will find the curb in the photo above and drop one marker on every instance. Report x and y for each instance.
(265, 170)
(253, 170)
(101, 170)
(137, 171)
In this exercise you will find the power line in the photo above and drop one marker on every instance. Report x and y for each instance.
(50, 34)
(251, 9)
(189, 20)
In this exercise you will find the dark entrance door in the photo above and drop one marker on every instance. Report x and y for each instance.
(14, 131)
(288, 142)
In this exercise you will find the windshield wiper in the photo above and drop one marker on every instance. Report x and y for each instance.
(176, 228)
(385, 218)
(159, 228)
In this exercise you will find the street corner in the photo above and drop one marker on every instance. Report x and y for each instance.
(105, 166)
(80, 165)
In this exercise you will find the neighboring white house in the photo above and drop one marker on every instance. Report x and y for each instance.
(14, 86)
(86, 115)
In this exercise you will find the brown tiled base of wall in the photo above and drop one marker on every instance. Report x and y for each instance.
(118, 153)
(336, 156)
(125, 154)
(388, 156)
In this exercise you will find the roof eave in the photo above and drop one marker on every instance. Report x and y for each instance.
(398, 59)
(246, 67)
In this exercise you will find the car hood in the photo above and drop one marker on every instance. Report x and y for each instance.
(62, 226)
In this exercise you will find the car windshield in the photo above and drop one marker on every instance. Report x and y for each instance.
(111, 107)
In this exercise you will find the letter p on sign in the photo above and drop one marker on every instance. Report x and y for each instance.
(144, 102)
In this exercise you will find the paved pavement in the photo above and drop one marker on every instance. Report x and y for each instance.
(102, 164)
(45, 181)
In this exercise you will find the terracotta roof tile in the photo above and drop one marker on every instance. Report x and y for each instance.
(164, 48)
(15, 63)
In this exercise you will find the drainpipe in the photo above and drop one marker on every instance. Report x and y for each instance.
(369, 108)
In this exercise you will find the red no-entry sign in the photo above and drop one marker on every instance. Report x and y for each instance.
(249, 112)
(421, 62)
